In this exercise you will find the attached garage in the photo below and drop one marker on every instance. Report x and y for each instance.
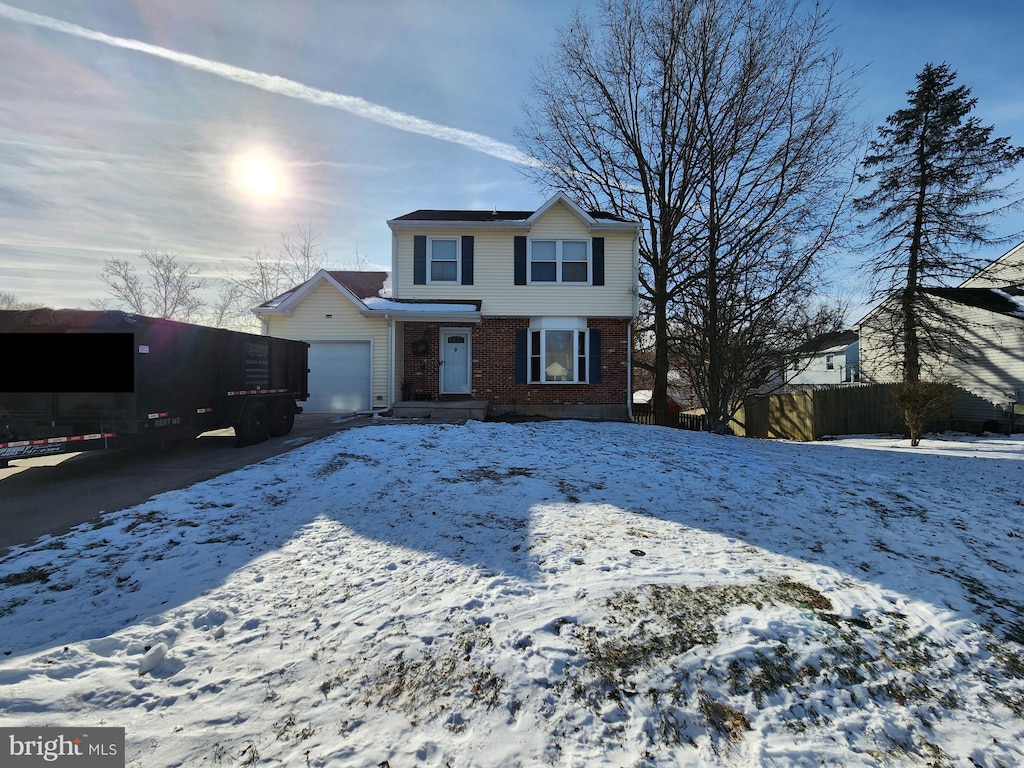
(340, 377)
(349, 353)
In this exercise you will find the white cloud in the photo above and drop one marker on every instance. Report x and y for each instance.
(284, 87)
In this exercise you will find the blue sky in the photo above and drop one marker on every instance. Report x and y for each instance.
(113, 140)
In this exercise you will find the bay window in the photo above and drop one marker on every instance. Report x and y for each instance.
(558, 350)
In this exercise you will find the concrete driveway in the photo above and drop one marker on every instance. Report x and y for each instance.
(55, 493)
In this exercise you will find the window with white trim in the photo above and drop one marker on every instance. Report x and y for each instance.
(558, 356)
(559, 261)
(443, 260)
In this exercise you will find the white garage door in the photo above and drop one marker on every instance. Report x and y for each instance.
(339, 377)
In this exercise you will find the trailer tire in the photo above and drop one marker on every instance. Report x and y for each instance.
(282, 417)
(253, 426)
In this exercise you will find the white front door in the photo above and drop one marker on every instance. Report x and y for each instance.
(455, 349)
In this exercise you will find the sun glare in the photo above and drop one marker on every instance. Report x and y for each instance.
(261, 177)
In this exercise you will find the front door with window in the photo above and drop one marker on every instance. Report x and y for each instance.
(455, 356)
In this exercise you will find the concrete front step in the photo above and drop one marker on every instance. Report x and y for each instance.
(441, 409)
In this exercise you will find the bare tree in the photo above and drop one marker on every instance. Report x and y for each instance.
(266, 275)
(301, 254)
(10, 300)
(721, 126)
(168, 288)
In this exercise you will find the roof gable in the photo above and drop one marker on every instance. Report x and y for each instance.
(561, 197)
(827, 341)
(353, 285)
(1007, 270)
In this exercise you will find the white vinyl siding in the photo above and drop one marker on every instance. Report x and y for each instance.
(494, 278)
(991, 367)
(310, 322)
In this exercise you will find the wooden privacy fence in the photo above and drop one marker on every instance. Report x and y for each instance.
(865, 409)
(809, 415)
(644, 414)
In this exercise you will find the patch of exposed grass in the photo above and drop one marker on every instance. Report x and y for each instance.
(340, 461)
(153, 516)
(723, 719)
(647, 648)
(11, 606)
(31, 575)
(447, 679)
(488, 473)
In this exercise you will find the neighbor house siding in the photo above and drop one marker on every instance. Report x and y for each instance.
(309, 322)
(986, 360)
(494, 279)
(1008, 269)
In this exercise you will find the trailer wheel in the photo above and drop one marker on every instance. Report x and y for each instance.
(253, 426)
(282, 417)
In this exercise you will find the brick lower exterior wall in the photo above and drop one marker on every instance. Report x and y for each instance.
(493, 366)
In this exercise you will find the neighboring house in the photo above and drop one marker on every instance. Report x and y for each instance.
(972, 336)
(829, 359)
(530, 311)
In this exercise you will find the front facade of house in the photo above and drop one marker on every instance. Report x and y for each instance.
(557, 294)
(530, 311)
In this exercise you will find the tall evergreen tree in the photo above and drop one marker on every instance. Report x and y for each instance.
(934, 168)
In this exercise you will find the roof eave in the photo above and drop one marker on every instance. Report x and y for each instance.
(415, 315)
(615, 226)
(433, 225)
(261, 311)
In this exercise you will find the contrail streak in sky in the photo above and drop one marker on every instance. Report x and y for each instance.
(285, 87)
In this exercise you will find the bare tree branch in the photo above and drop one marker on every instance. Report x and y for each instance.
(168, 288)
(721, 125)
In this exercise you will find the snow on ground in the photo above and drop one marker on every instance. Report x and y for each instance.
(551, 593)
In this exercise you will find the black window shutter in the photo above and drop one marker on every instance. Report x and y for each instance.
(419, 260)
(520, 260)
(594, 374)
(597, 254)
(467, 259)
(522, 355)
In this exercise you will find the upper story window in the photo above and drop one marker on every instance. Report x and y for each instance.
(559, 261)
(443, 259)
(829, 363)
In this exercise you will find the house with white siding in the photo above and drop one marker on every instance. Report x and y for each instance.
(827, 360)
(972, 336)
(528, 312)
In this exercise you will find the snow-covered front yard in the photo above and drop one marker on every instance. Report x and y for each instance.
(550, 593)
